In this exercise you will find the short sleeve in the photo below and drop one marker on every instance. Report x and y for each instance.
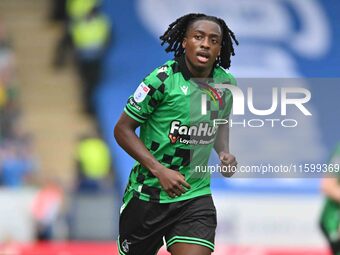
(148, 95)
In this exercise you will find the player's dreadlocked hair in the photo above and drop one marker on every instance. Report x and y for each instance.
(175, 34)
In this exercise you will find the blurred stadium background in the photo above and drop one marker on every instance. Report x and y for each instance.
(43, 207)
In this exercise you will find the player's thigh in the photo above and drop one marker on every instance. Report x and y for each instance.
(140, 228)
(189, 249)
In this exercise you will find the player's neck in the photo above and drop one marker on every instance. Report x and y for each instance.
(197, 73)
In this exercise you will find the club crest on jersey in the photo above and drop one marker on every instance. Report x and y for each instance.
(219, 92)
(141, 93)
(196, 134)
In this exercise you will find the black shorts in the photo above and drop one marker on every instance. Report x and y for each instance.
(143, 225)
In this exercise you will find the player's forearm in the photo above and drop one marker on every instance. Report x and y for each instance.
(222, 139)
(331, 189)
(221, 147)
(131, 143)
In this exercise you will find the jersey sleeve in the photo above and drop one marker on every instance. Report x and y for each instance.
(148, 95)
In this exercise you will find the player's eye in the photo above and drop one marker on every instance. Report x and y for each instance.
(214, 41)
(198, 37)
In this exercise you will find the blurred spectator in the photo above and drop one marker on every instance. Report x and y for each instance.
(330, 217)
(93, 161)
(17, 164)
(78, 9)
(88, 34)
(8, 90)
(47, 208)
(62, 10)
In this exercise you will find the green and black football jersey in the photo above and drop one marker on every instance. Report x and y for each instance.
(176, 128)
(330, 216)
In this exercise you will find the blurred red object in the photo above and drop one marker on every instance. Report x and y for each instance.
(110, 248)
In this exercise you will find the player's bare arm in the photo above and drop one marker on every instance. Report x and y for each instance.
(331, 188)
(221, 146)
(125, 133)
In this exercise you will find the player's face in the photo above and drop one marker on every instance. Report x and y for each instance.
(202, 45)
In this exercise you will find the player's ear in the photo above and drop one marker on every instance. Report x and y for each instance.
(184, 42)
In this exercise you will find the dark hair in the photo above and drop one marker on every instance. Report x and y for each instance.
(175, 34)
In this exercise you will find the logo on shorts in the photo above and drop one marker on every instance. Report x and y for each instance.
(125, 245)
(141, 92)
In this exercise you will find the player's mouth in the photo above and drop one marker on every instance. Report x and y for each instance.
(203, 57)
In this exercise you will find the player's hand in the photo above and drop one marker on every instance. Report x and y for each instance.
(228, 164)
(173, 182)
